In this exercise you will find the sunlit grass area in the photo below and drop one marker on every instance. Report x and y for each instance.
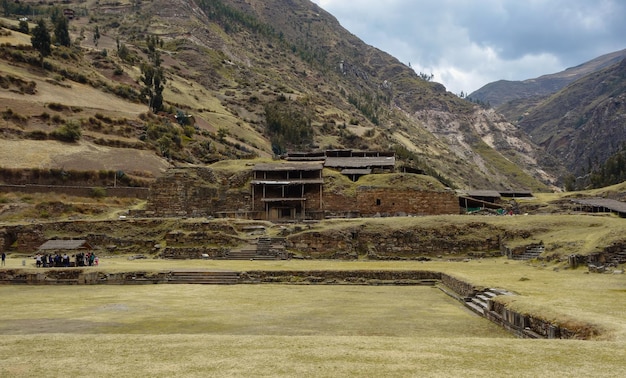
(296, 310)
(309, 330)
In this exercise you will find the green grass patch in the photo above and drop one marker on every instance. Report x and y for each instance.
(508, 167)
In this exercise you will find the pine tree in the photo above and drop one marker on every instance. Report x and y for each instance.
(153, 75)
(41, 40)
(61, 32)
(96, 36)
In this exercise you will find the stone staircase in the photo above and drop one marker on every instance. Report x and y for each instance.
(480, 302)
(263, 248)
(531, 252)
(206, 277)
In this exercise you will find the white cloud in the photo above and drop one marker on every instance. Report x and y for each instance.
(468, 44)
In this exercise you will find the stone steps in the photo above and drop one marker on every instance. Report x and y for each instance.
(264, 248)
(530, 253)
(479, 302)
(204, 277)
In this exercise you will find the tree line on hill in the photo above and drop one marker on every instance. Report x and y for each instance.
(611, 172)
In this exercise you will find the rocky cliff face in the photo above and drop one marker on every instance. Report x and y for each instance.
(583, 124)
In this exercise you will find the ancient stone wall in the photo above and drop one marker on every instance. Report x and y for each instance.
(392, 202)
(529, 325)
(201, 192)
(337, 204)
(445, 241)
(185, 253)
(336, 244)
(460, 287)
(200, 238)
(179, 193)
(354, 277)
(198, 192)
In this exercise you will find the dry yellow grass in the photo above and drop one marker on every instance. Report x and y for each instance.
(78, 156)
(236, 330)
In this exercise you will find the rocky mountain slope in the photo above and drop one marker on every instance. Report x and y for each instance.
(583, 124)
(258, 78)
(501, 92)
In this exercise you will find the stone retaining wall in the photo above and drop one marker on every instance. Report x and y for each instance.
(460, 287)
(392, 202)
(416, 244)
(530, 326)
(352, 277)
(186, 253)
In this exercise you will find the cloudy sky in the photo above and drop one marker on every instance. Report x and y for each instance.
(469, 43)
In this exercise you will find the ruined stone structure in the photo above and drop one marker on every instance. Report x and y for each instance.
(287, 191)
(197, 192)
(293, 191)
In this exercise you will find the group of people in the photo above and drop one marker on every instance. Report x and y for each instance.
(58, 260)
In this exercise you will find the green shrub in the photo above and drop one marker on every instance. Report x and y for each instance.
(98, 192)
(70, 132)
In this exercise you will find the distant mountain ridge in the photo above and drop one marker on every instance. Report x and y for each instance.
(583, 124)
(503, 91)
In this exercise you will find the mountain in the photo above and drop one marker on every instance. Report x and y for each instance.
(243, 79)
(501, 92)
(583, 124)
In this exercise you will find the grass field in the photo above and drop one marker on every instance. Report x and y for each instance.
(312, 331)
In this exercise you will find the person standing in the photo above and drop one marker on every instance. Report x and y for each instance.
(4, 257)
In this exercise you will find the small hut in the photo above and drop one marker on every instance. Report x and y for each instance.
(63, 247)
(54, 246)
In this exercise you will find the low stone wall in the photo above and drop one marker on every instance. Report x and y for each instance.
(69, 276)
(530, 326)
(200, 238)
(188, 253)
(343, 277)
(461, 288)
(408, 244)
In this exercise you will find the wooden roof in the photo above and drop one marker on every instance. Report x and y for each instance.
(516, 193)
(64, 244)
(360, 162)
(613, 205)
(290, 166)
(484, 193)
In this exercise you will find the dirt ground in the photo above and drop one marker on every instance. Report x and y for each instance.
(78, 156)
